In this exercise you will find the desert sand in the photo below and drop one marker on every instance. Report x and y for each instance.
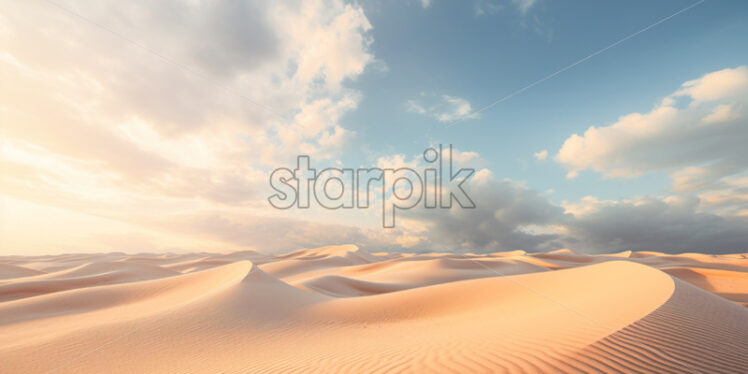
(341, 309)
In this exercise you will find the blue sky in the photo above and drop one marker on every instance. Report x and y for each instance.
(448, 49)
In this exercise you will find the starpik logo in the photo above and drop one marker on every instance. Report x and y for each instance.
(436, 186)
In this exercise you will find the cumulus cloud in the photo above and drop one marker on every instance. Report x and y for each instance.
(443, 108)
(699, 133)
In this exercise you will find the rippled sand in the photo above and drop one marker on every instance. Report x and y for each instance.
(340, 309)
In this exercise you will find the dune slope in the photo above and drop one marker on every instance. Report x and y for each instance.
(341, 309)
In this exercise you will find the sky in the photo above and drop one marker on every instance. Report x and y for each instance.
(155, 126)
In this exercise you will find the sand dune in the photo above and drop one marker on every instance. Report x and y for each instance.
(8, 271)
(732, 285)
(341, 309)
(82, 276)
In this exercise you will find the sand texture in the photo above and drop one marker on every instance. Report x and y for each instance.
(341, 309)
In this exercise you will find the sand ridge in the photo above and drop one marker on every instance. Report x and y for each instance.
(342, 309)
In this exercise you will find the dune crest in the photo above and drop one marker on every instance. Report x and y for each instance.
(342, 309)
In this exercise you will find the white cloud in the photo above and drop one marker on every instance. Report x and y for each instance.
(443, 108)
(328, 39)
(699, 132)
(396, 161)
(722, 113)
(541, 155)
(425, 3)
(468, 159)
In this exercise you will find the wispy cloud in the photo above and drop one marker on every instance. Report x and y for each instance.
(524, 5)
(443, 108)
(541, 155)
(487, 7)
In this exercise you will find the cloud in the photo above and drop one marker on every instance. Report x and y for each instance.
(486, 7)
(541, 155)
(504, 211)
(728, 197)
(396, 161)
(174, 106)
(670, 225)
(222, 63)
(425, 3)
(524, 5)
(443, 108)
(507, 215)
(699, 133)
(166, 141)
